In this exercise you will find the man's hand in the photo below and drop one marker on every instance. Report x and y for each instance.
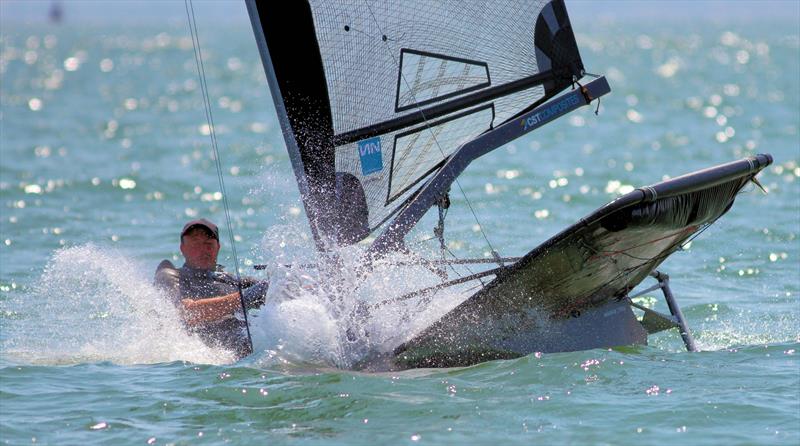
(255, 296)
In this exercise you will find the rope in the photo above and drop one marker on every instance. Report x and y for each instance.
(201, 73)
(433, 134)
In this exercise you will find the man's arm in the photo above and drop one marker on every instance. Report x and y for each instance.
(212, 309)
(194, 312)
(215, 308)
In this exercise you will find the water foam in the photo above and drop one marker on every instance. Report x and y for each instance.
(743, 328)
(94, 304)
(337, 321)
(318, 318)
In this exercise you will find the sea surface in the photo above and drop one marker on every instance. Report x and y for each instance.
(105, 152)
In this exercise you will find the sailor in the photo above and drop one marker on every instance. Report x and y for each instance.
(206, 296)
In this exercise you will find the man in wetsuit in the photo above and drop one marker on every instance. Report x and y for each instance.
(208, 297)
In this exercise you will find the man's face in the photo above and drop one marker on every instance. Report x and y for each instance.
(199, 248)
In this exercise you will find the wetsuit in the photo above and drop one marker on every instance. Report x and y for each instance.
(197, 284)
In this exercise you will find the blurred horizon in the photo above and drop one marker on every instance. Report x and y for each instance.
(234, 11)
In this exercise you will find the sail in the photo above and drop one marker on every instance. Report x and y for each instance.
(374, 97)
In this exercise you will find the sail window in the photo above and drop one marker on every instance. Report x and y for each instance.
(419, 151)
(425, 78)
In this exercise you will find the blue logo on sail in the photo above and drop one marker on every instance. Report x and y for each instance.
(369, 150)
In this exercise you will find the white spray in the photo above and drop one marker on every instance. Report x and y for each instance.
(94, 304)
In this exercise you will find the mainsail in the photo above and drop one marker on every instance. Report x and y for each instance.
(375, 97)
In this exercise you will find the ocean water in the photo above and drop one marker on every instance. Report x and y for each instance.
(104, 153)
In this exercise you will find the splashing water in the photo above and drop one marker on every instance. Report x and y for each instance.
(742, 328)
(308, 319)
(339, 324)
(93, 304)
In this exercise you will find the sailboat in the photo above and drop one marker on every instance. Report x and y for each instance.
(384, 104)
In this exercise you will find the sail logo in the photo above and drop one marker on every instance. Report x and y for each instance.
(551, 112)
(369, 150)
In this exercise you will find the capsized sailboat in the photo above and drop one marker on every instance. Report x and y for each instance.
(384, 104)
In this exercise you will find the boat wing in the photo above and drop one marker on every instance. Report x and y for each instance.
(598, 260)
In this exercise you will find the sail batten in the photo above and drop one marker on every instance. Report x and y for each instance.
(376, 96)
(421, 115)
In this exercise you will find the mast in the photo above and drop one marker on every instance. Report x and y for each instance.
(297, 85)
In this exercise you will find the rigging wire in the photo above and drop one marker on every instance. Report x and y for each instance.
(201, 73)
(433, 134)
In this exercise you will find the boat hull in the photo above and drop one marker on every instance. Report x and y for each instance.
(512, 335)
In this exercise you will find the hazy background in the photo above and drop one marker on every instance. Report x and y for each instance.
(131, 11)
